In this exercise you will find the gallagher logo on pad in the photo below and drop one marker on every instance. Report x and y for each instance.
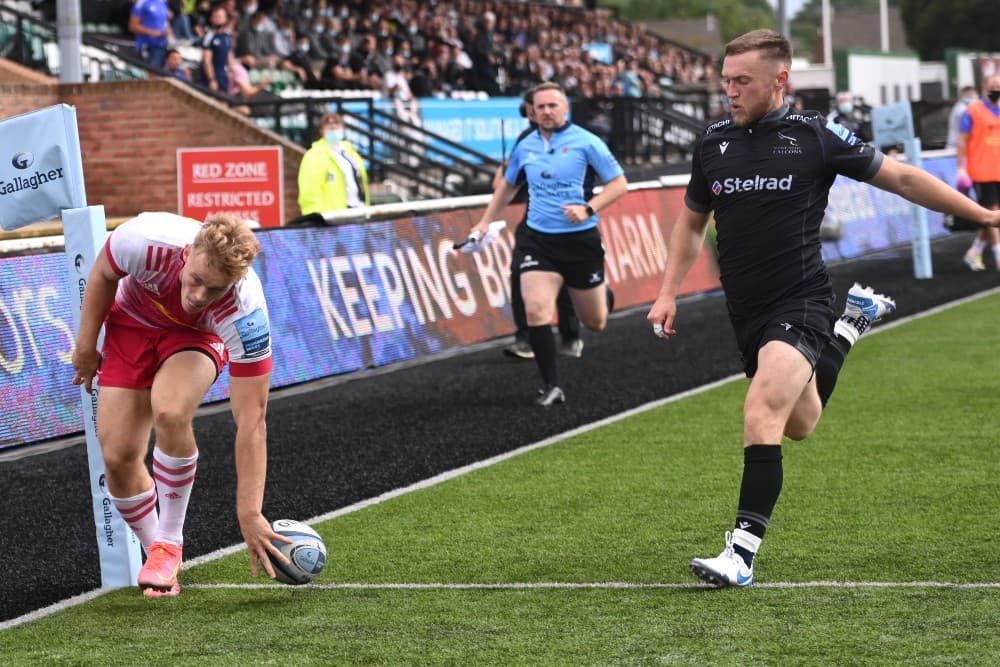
(22, 160)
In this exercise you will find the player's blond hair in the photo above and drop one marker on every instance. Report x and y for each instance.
(228, 244)
(770, 44)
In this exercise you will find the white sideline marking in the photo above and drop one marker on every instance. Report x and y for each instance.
(457, 472)
(606, 585)
(53, 608)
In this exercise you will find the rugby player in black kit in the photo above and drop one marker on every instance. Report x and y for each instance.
(766, 173)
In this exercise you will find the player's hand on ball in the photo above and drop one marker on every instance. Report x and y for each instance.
(305, 555)
(258, 535)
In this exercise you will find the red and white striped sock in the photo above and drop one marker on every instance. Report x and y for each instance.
(139, 513)
(174, 479)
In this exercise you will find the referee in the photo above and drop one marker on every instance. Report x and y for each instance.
(561, 243)
(571, 344)
(766, 172)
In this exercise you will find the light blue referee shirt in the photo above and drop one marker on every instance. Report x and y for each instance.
(559, 172)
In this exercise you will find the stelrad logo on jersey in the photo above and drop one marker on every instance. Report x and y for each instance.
(755, 183)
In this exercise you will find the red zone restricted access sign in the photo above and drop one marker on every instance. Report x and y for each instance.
(245, 180)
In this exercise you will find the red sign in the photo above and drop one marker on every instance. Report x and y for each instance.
(246, 181)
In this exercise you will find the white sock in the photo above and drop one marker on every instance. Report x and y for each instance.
(977, 247)
(848, 332)
(174, 479)
(139, 513)
(996, 253)
(746, 540)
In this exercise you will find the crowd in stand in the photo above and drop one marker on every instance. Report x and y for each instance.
(440, 46)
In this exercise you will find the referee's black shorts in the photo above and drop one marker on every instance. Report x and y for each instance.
(577, 256)
(805, 324)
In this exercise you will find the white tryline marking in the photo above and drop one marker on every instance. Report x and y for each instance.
(54, 608)
(606, 585)
(457, 472)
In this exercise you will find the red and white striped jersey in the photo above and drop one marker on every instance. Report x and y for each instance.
(148, 252)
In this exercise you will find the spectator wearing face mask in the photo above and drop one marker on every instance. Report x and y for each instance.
(966, 96)
(338, 73)
(247, 14)
(845, 114)
(304, 62)
(304, 19)
(332, 175)
(255, 45)
(382, 58)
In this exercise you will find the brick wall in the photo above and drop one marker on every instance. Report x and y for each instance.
(12, 72)
(130, 132)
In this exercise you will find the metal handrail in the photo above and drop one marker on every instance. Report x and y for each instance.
(381, 128)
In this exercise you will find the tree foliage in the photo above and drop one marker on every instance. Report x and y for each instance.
(931, 25)
(935, 25)
(735, 16)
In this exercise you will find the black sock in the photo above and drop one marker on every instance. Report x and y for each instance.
(543, 344)
(759, 491)
(516, 301)
(569, 325)
(829, 365)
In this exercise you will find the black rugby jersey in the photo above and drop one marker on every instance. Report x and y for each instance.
(768, 186)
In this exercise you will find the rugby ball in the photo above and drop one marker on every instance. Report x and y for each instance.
(306, 553)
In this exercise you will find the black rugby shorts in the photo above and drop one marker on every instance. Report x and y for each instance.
(577, 256)
(806, 325)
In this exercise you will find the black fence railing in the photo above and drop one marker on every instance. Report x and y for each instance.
(638, 130)
(392, 146)
(645, 130)
(23, 39)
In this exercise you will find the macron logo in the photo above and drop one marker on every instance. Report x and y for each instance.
(723, 146)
